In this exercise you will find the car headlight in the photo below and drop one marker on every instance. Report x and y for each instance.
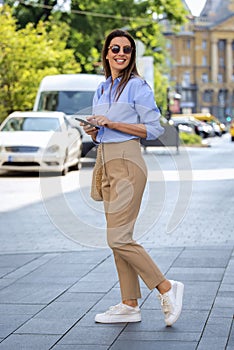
(52, 149)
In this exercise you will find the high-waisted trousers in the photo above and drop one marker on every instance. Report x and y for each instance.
(123, 184)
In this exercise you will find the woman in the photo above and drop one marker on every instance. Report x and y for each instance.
(125, 111)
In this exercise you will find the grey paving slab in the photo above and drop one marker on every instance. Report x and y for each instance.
(79, 299)
(5, 271)
(28, 342)
(210, 258)
(20, 309)
(226, 287)
(231, 338)
(63, 310)
(59, 273)
(152, 345)
(84, 347)
(89, 286)
(196, 274)
(222, 312)
(16, 260)
(99, 276)
(48, 326)
(10, 323)
(31, 293)
(91, 256)
(215, 343)
(4, 282)
(30, 266)
(153, 320)
(217, 327)
(162, 334)
(100, 334)
(57, 310)
(224, 301)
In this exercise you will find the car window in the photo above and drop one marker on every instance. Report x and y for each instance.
(13, 124)
(32, 124)
(68, 102)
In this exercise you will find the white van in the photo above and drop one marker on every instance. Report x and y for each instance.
(71, 94)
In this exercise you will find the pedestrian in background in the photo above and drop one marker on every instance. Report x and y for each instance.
(125, 110)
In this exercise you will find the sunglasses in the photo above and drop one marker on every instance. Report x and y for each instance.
(116, 49)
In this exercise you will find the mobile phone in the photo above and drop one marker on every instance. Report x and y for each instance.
(86, 122)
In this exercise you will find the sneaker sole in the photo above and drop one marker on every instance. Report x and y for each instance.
(118, 319)
(179, 302)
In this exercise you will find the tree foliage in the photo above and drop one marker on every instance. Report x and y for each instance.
(89, 21)
(26, 56)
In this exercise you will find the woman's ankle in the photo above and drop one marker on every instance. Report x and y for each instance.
(164, 287)
(130, 302)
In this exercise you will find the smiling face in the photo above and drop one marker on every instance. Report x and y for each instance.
(118, 61)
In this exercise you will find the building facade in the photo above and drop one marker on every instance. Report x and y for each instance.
(202, 60)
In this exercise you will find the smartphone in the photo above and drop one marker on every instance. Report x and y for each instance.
(86, 122)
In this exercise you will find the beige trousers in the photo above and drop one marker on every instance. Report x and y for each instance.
(123, 184)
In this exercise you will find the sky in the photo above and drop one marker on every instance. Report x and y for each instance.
(195, 6)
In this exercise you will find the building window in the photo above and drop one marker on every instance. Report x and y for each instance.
(220, 78)
(207, 96)
(204, 44)
(204, 77)
(187, 95)
(204, 61)
(221, 45)
(186, 78)
(221, 61)
(222, 97)
(188, 44)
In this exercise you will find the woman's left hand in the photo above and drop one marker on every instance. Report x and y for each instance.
(100, 120)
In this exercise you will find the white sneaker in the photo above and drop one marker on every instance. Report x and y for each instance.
(120, 313)
(171, 302)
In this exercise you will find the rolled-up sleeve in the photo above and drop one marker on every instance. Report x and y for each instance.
(147, 110)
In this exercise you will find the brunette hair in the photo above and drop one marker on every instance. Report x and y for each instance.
(130, 70)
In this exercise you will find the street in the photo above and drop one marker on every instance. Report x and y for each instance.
(55, 277)
(188, 200)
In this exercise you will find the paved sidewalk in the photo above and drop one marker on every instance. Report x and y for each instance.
(49, 300)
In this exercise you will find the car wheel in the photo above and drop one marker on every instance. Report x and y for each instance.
(233, 138)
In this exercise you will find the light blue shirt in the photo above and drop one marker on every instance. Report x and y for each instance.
(136, 105)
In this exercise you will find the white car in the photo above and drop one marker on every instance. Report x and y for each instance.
(39, 141)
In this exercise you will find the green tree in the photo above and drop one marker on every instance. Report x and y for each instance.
(141, 18)
(90, 21)
(26, 56)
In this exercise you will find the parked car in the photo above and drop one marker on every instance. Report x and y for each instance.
(209, 118)
(199, 128)
(71, 94)
(39, 141)
(231, 130)
(216, 127)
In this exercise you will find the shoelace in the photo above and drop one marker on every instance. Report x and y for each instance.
(165, 303)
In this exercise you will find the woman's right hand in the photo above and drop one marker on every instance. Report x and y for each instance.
(90, 130)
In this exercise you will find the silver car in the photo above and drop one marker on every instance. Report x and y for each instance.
(39, 141)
